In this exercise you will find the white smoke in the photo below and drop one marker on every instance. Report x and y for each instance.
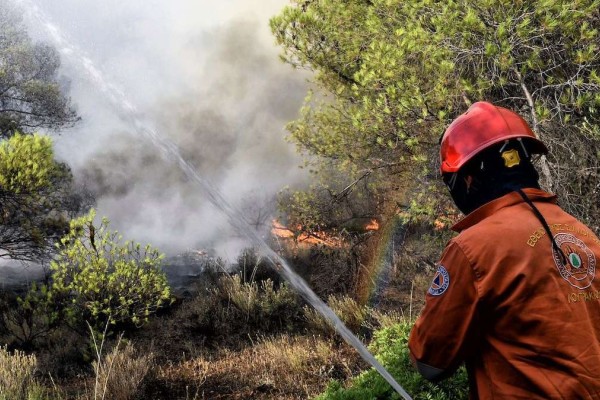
(207, 76)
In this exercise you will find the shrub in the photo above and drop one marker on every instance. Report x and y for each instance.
(253, 268)
(35, 191)
(346, 308)
(120, 374)
(16, 377)
(260, 304)
(327, 270)
(99, 279)
(390, 347)
(29, 320)
(233, 309)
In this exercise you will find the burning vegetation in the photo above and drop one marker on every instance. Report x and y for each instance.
(320, 238)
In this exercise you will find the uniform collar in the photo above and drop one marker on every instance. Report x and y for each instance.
(507, 200)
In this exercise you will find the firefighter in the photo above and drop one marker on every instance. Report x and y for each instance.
(516, 295)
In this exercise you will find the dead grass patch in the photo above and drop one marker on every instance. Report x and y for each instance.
(283, 367)
(16, 374)
(352, 314)
(119, 375)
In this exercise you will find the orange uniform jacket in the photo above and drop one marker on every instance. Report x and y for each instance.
(527, 326)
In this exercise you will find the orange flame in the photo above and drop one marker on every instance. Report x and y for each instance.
(373, 225)
(316, 238)
(281, 231)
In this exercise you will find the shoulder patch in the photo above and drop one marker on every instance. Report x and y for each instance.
(581, 261)
(440, 283)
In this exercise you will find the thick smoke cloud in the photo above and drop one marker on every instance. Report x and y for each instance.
(205, 75)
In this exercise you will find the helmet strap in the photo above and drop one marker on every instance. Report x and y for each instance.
(541, 218)
(520, 140)
(452, 181)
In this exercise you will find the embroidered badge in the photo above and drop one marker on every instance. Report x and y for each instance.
(580, 268)
(440, 283)
(511, 158)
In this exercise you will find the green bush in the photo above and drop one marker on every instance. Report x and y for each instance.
(389, 346)
(30, 320)
(98, 279)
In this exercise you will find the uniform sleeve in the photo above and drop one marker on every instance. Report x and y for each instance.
(439, 340)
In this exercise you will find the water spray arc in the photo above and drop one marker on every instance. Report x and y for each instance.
(172, 154)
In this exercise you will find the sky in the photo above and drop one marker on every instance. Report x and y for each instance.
(204, 74)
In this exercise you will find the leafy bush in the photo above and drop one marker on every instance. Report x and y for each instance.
(37, 197)
(98, 279)
(390, 347)
(27, 163)
(30, 319)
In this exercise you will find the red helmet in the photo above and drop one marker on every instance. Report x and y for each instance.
(482, 126)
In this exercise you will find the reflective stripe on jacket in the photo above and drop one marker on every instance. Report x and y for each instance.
(527, 326)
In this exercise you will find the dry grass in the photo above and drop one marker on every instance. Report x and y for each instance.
(245, 296)
(352, 314)
(120, 374)
(232, 309)
(17, 376)
(273, 368)
(257, 299)
(386, 319)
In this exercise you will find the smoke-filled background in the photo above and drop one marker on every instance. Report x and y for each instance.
(205, 74)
